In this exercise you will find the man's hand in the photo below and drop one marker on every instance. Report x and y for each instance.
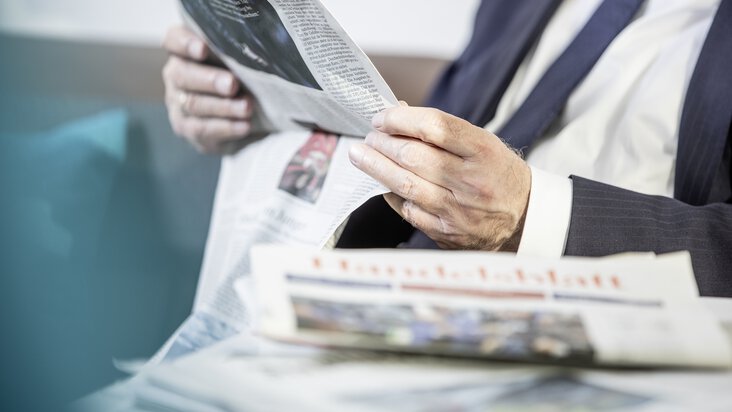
(203, 105)
(459, 184)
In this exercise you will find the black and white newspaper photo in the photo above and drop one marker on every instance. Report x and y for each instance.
(297, 61)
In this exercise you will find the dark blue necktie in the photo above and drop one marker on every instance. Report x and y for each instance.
(550, 95)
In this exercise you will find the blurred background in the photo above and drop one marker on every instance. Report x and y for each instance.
(103, 211)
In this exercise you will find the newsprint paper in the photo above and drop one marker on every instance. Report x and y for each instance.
(225, 378)
(299, 63)
(316, 91)
(619, 311)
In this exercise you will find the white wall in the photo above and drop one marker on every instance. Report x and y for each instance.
(412, 27)
(125, 21)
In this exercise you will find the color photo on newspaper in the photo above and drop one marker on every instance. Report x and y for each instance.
(305, 175)
(538, 335)
(473, 304)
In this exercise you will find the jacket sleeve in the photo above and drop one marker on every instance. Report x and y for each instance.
(606, 220)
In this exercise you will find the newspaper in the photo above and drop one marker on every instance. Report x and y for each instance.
(226, 378)
(292, 188)
(573, 310)
(292, 55)
(317, 91)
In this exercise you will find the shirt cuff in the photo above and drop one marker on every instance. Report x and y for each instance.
(547, 216)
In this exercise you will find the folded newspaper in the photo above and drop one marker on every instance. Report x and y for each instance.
(621, 311)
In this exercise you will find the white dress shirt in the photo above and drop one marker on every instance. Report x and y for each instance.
(621, 125)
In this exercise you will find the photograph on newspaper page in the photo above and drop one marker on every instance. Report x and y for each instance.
(498, 306)
(297, 61)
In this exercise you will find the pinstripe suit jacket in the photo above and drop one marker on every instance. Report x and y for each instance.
(607, 219)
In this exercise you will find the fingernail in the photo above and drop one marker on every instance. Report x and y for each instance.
(355, 154)
(241, 108)
(241, 128)
(378, 120)
(195, 49)
(224, 84)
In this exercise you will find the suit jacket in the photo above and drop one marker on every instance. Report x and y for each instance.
(605, 219)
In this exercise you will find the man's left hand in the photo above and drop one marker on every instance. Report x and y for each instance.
(458, 183)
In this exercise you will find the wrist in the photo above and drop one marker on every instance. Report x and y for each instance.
(513, 242)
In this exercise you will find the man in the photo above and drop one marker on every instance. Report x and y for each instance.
(633, 95)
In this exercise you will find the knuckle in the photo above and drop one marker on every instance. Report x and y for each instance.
(192, 104)
(370, 162)
(175, 119)
(485, 192)
(175, 124)
(194, 129)
(407, 155)
(176, 73)
(407, 187)
(444, 228)
(441, 164)
(486, 149)
(388, 117)
(408, 212)
(169, 97)
(227, 130)
(209, 131)
(168, 69)
(170, 37)
(476, 188)
(434, 124)
(443, 204)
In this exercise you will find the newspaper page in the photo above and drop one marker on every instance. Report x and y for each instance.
(225, 378)
(218, 378)
(292, 188)
(476, 304)
(308, 78)
(292, 55)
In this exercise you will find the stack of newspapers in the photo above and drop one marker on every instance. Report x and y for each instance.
(425, 331)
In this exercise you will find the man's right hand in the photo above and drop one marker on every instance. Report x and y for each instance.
(203, 102)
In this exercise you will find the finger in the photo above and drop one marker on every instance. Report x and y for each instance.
(200, 105)
(429, 125)
(206, 131)
(397, 179)
(403, 103)
(194, 77)
(214, 130)
(429, 162)
(415, 215)
(183, 42)
(176, 121)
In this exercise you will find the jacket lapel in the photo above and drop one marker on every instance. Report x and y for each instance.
(707, 114)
